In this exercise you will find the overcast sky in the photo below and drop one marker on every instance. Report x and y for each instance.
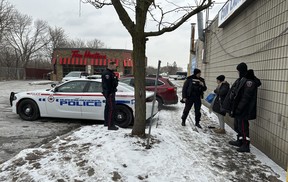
(88, 23)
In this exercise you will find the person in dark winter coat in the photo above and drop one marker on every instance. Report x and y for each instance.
(221, 92)
(192, 93)
(109, 87)
(243, 102)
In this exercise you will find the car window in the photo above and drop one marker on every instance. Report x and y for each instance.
(84, 74)
(123, 87)
(73, 86)
(170, 83)
(151, 82)
(95, 87)
(132, 82)
(73, 74)
(127, 81)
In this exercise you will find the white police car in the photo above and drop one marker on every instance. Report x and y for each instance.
(78, 99)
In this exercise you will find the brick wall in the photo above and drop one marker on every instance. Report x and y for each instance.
(259, 37)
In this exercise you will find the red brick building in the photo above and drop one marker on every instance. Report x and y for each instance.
(92, 61)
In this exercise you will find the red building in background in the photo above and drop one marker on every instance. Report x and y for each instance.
(92, 61)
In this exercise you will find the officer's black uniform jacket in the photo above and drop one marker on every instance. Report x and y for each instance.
(109, 82)
(192, 87)
(241, 99)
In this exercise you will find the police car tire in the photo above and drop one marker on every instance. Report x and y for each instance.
(28, 104)
(127, 115)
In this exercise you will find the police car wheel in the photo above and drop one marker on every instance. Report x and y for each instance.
(123, 116)
(28, 110)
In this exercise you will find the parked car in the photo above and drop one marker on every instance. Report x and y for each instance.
(78, 99)
(166, 92)
(74, 75)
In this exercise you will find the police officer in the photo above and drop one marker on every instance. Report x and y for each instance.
(242, 102)
(192, 93)
(109, 87)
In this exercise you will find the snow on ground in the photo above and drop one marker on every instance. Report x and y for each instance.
(177, 153)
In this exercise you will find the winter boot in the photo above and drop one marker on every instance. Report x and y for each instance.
(198, 125)
(245, 147)
(183, 122)
(237, 143)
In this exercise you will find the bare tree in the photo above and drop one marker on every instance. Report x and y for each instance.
(58, 39)
(136, 28)
(6, 21)
(79, 43)
(6, 17)
(27, 39)
(95, 44)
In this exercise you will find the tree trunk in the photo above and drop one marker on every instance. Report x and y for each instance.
(139, 45)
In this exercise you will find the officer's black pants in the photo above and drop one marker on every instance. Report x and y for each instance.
(109, 111)
(197, 106)
(241, 127)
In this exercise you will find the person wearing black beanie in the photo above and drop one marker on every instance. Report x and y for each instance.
(192, 92)
(221, 78)
(196, 71)
(241, 104)
(242, 69)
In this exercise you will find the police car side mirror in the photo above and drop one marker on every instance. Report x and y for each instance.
(53, 85)
(55, 89)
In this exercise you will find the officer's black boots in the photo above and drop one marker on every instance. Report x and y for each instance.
(245, 147)
(236, 143)
(113, 128)
(198, 125)
(183, 122)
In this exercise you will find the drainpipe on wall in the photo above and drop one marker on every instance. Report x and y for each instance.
(192, 49)
(201, 34)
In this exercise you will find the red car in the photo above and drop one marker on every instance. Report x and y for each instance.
(166, 91)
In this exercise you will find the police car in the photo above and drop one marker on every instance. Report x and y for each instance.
(78, 99)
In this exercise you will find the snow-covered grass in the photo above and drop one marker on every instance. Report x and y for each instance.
(177, 153)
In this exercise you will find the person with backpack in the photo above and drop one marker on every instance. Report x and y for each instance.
(241, 104)
(192, 93)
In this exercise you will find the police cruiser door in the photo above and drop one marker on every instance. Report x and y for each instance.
(93, 107)
(66, 100)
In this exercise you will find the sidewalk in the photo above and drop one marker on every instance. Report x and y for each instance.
(178, 153)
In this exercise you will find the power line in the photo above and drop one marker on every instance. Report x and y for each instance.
(265, 47)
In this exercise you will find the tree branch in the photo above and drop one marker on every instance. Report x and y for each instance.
(181, 21)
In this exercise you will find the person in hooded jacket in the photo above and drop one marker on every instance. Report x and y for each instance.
(241, 102)
(221, 92)
(192, 93)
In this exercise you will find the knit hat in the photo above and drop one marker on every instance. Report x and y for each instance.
(221, 78)
(196, 71)
(242, 67)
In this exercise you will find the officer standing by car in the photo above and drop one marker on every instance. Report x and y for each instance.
(109, 87)
(192, 93)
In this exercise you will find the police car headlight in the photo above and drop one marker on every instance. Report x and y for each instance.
(12, 97)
